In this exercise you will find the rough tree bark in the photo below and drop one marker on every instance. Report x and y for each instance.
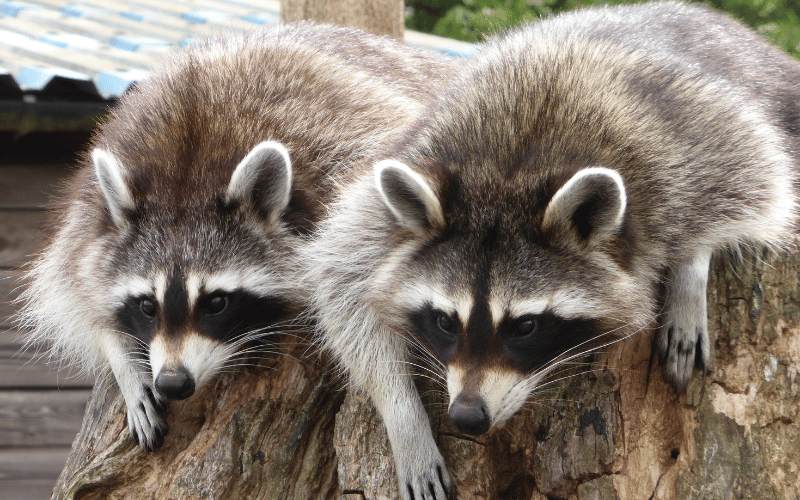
(380, 17)
(287, 429)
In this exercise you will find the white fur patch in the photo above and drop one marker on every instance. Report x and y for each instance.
(455, 381)
(128, 286)
(500, 392)
(573, 304)
(159, 356)
(257, 280)
(520, 308)
(161, 286)
(416, 296)
(568, 304)
(194, 284)
(203, 357)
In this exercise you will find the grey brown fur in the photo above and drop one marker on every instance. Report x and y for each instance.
(175, 243)
(568, 190)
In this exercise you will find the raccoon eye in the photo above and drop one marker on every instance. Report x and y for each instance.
(524, 327)
(216, 304)
(445, 322)
(148, 307)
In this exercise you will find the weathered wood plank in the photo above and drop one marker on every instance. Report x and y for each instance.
(27, 489)
(20, 236)
(9, 290)
(41, 418)
(21, 369)
(29, 474)
(29, 186)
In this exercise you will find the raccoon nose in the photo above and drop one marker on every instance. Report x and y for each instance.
(175, 384)
(470, 415)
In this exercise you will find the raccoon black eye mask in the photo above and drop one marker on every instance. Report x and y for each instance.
(537, 208)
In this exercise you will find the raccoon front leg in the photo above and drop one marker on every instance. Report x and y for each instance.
(145, 407)
(378, 364)
(682, 341)
(421, 470)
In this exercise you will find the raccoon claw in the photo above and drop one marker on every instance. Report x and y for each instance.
(680, 350)
(431, 484)
(146, 421)
(682, 341)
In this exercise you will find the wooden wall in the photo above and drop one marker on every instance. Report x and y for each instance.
(40, 408)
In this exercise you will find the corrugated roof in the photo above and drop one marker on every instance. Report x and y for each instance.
(63, 61)
(95, 49)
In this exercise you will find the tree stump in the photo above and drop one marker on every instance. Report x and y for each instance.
(286, 429)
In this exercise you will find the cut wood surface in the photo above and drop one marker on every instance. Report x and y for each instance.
(286, 430)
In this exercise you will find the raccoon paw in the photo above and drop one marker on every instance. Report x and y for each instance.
(682, 345)
(682, 341)
(428, 482)
(146, 420)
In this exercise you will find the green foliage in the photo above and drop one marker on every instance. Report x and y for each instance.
(474, 20)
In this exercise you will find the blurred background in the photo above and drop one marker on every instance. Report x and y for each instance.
(472, 20)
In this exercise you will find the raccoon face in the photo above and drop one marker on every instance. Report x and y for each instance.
(195, 281)
(189, 325)
(501, 300)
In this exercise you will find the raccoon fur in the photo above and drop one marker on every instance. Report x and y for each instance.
(568, 189)
(176, 242)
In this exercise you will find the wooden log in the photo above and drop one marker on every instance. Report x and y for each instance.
(260, 432)
(380, 17)
(285, 430)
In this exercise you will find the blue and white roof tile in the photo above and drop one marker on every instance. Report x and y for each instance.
(99, 48)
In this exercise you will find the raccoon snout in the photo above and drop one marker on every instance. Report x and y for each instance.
(470, 415)
(175, 384)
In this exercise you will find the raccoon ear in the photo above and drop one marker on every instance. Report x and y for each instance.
(265, 177)
(408, 196)
(111, 177)
(592, 202)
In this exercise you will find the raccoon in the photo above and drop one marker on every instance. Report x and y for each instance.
(176, 243)
(568, 189)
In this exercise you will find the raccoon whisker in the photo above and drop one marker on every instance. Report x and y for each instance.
(233, 367)
(424, 352)
(547, 385)
(247, 338)
(244, 353)
(260, 332)
(425, 370)
(570, 357)
(532, 404)
(428, 373)
(435, 391)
